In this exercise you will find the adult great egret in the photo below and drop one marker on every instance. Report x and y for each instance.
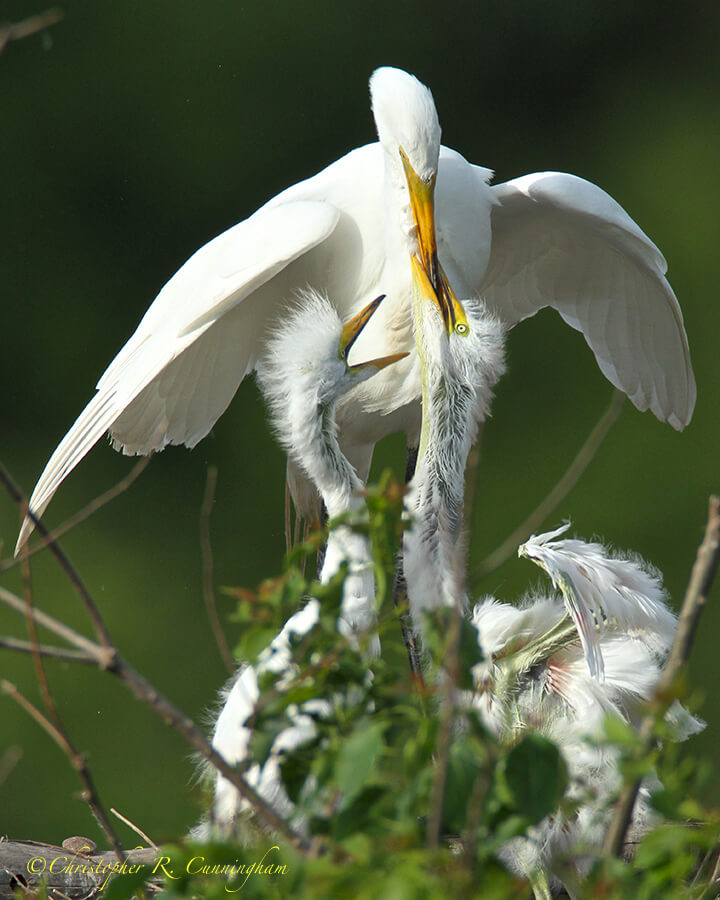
(304, 374)
(547, 239)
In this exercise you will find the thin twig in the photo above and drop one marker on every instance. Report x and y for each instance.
(207, 568)
(36, 655)
(74, 638)
(59, 554)
(26, 27)
(108, 659)
(563, 487)
(701, 579)
(84, 513)
(77, 761)
(46, 650)
(181, 723)
(133, 827)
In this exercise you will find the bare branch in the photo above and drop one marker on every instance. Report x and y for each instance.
(46, 650)
(29, 26)
(108, 659)
(568, 481)
(181, 723)
(134, 828)
(37, 658)
(59, 554)
(207, 567)
(77, 760)
(59, 628)
(25, 864)
(701, 579)
(84, 513)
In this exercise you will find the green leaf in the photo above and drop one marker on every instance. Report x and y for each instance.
(470, 653)
(462, 774)
(123, 886)
(253, 641)
(532, 777)
(296, 767)
(356, 759)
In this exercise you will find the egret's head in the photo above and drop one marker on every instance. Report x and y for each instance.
(460, 345)
(305, 365)
(405, 117)
(409, 131)
(443, 299)
(351, 332)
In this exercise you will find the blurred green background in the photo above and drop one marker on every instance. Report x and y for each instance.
(133, 132)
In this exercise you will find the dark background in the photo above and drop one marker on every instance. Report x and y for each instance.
(133, 132)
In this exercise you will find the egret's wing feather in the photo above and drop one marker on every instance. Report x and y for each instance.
(178, 372)
(560, 241)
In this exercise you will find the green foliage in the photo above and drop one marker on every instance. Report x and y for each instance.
(363, 786)
(530, 780)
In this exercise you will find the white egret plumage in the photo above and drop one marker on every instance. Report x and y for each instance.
(537, 677)
(459, 370)
(545, 670)
(547, 239)
(303, 375)
(600, 591)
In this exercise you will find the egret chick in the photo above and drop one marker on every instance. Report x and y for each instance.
(461, 351)
(538, 676)
(600, 589)
(303, 375)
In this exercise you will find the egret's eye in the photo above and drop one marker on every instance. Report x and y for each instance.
(461, 328)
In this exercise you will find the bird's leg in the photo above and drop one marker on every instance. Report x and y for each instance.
(323, 547)
(411, 462)
(288, 526)
(540, 886)
(400, 591)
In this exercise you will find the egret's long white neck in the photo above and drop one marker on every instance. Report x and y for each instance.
(303, 376)
(315, 443)
(458, 374)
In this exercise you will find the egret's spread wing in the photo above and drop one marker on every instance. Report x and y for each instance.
(178, 372)
(560, 241)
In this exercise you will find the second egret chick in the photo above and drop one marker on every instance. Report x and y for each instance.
(538, 676)
(600, 590)
(303, 375)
